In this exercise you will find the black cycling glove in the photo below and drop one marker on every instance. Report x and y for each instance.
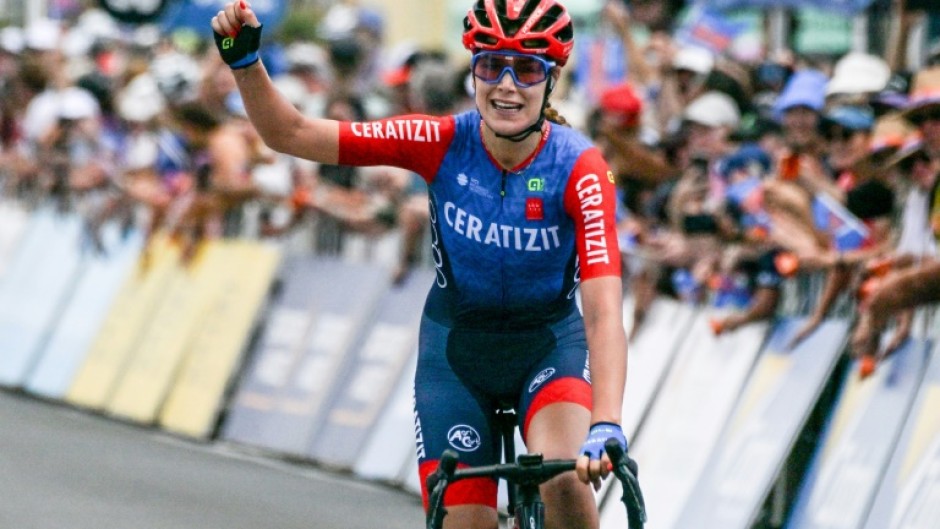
(240, 51)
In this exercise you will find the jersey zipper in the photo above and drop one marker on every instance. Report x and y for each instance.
(502, 271)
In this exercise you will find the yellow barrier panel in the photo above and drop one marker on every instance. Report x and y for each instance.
(194, 402)
(120, 331)
(153, 366)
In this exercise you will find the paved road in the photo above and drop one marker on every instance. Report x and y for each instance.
(67, 469)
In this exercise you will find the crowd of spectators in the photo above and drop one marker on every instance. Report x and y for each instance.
(735, 176)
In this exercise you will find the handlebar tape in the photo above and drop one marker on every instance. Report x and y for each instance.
(626, 471)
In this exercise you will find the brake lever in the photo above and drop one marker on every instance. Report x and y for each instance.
(626, 470)
(436, 485)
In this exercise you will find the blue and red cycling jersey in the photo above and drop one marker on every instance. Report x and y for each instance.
(500, 325)
(510, 246)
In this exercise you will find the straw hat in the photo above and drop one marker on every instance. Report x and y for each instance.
(925, 95)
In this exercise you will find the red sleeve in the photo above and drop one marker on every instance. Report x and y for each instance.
(414, 142)
(590, 199)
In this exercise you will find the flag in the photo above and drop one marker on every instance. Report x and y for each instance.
(846, 230)
(709, 29)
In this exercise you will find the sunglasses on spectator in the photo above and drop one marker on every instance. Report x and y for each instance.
(921, 118)
(525, 70)
(908, 164)
(840, 134)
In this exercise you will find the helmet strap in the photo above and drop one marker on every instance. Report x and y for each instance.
(535, 127)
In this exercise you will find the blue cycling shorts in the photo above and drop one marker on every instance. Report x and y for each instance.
(465, 375)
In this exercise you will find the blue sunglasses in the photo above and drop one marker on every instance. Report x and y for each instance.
(526, 70)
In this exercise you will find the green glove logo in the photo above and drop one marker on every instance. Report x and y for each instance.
(227, 43)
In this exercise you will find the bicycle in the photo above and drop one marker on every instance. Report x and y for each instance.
(524, 477)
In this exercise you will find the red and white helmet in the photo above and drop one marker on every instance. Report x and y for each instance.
(541, 27)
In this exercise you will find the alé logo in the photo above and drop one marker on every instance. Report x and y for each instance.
(464, 438)
(227, 43)
(535, 185)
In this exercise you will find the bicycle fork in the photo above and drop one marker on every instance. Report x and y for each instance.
(529, 511)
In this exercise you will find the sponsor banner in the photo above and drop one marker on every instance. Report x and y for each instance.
(908, 493)
(35, 289)
(276, 354)
(214, 353)
(771, 413)
(859, 438)
(153, 364)
(685, 421)
(375, 369)
(296, 373)
(101, 278)
(120, 332)
(13, 222)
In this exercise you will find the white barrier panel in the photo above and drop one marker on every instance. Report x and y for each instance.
(777, 401)
(839, 488)
(13, 222)
(101, 278)
(391, 446)
(374, 368)
(651, 354)
(35, 289)
(297, 382)
(687, 417)
(909, 493)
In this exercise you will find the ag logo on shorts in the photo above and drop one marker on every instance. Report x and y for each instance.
(544, 375)
(463, 438)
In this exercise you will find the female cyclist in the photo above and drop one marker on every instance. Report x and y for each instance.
(522, 214)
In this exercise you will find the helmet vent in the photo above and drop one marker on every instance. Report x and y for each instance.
(565, 34)
(486, 40)
(528, 9)
(548, 18)
(535, 44)
(479, 11)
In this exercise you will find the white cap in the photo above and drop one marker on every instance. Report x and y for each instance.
(141, 99)
(858, 73)
(77, 103)
(11, 39)
(695, 59)
(713, 109)
(307, 54)
(43, 35)
(291, 88)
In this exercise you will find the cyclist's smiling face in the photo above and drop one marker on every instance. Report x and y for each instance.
(510, 89)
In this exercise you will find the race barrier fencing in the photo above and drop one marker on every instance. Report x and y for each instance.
(312, 358)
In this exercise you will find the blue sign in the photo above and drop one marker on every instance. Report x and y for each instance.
(196, 14)
(848, 7)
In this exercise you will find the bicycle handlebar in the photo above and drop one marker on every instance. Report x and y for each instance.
(528, 471)
(626, 471)
(531, 469)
